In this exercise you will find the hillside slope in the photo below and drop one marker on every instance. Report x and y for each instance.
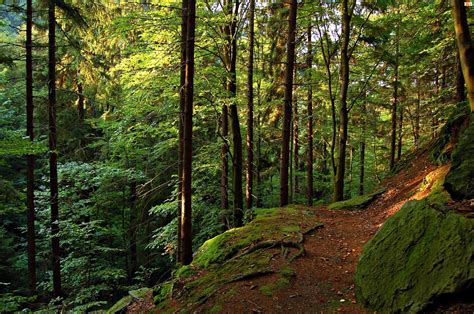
(319, 280)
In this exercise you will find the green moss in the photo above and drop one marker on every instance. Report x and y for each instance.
(419, 254)
(120, 305)
(217, 308)
(357, 202)
(184, 272)
(240, 253)
(271, 288)
(440, 150)
(460, 179)
(287, 271)
(162, 292)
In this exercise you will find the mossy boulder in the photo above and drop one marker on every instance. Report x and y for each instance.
(460, 179)
(238, 254)
(441, 149)
(358, 202)
(420, 254)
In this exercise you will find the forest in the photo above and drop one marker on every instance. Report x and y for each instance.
(232, 156)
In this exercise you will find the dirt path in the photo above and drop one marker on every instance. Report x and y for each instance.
(323, 277)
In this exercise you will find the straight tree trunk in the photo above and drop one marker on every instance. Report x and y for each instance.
(249, 172)
(186, 215)
(362, 150)
(394, 111)
(417, 115)
(80, 102)
(237, 162)
(132, 231)
(53, 155)
(309, 163)
(237, 167)
(465, 46)
(224, 161)
(460, 90)
(30, 159)
(343, 112)
(285, 150)
(400, 134)
(296, 147)
(182, 101)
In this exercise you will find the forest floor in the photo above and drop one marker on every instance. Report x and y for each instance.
(323, 278)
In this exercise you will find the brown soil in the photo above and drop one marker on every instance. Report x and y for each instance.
(323, 279)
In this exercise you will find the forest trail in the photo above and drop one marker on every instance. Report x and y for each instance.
(323, 278)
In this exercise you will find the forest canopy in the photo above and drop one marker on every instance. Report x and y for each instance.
(133, 131)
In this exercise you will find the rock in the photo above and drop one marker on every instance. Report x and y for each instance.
(460, 179)
(419, 254)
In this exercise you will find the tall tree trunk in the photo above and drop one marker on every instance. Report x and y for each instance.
(186, 215)
(460, 90)
(400, 134)
(132, 231)
(309, 163)
(233, 10)
(80, 100)
(258, 165)
(465, 46)
(343, 112)
(362, 150)
(417, 115)
(296, 147)
(249, 172)
(30, 159)
(237, 167)
(182, 102)
(394, 107)
(285, 149)
(53, 155)
(224, 162)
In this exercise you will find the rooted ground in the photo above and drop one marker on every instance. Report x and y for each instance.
(323, 279)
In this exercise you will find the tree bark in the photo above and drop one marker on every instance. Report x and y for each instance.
(400, 134)
(53, 155)
(80, 101)
(249, 172)
(182, 102)
(394, 107)
(417, 115)
(296, 146)
(309, 163)
(132, 231)
(460, 90)
(224, 161)
(343, 112)
(285, 150)
(30, 159)
(465, 46)
(186, 215)
(362, 150)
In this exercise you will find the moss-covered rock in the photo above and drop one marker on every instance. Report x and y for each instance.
(460, 179)
(441, 149)
(419, 254)
(238, 254)
(357, 202)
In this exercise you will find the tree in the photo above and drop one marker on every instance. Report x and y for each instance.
(309, 162)
(30, 159)
(249, 172)
(465, 46)
(186, 215)
(182, 102)
(53, 154)
(287, 106)
(343, 110)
